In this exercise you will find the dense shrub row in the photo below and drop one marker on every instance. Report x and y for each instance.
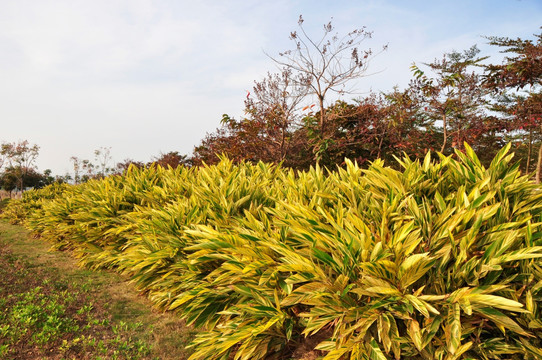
(437, 261)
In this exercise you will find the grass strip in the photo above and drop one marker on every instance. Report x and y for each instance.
(52, 309)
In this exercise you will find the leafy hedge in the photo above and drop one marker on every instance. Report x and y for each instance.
(438, 261)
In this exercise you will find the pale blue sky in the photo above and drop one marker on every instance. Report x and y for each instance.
(146, 76)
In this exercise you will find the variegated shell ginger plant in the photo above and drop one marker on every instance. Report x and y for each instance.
(438, 261)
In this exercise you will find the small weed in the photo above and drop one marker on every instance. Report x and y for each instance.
(85, 309)
(4, 349)
(41, 315)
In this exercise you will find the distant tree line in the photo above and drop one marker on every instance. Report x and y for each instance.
(18, 170)
(84, 169)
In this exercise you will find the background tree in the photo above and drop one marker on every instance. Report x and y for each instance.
(83, 169)
(378, 126)
(238, 139)
(415, 133)
(8, 180)
(454, 97)
(275, 105)
(103, 159)
(37, 180)
(88, 170)
(354, 131)
(521, 69)
(48, 177)
(170, 159)
(122, 166)
(270, 131)
(3, 156)
(520, 114)
(76, 162)
(326, 65)
(21, 156)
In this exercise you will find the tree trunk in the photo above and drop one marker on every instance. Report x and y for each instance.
(538, 165)
(529, 151)
(378, 156)
(322, 124)
(444, 133)
(283, 144)
(322, 117)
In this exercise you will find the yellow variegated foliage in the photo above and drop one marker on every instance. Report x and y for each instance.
(440, 260)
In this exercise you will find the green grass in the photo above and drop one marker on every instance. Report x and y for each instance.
(52, 309)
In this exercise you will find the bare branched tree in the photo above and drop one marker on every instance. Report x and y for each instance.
(276, 101)
(329, 64)
(103, 159)
(76, 169)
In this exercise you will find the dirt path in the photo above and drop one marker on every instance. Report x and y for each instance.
(52, 309)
